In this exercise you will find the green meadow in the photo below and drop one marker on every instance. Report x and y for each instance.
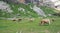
(26, 26)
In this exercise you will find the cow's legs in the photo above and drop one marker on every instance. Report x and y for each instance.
(42, 23)
(49, 22)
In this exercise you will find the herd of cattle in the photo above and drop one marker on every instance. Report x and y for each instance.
(42, 22)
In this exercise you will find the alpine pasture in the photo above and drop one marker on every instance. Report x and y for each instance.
(25, 25)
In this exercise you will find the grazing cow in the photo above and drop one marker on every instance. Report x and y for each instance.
(14, 20)
(19, 19)
(53, 19)
(44, 21)
(56, 14)
(31, 19)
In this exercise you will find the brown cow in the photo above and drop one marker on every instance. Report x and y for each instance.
(19, 19)
(48, 21)
(14, 20)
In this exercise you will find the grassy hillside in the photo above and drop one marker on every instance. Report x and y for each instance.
(15, 11)
(47, 10)
(31, 13)
(26, 26)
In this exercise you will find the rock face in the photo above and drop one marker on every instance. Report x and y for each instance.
(21, 1)
(10, 1)
(39, 11)
(5, 7)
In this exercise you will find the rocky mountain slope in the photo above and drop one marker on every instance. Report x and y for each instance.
(23, 10)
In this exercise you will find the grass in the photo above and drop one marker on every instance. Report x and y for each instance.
(48, 10)
(16, 11)
(31, 13)
(27, 8)
(25, 26)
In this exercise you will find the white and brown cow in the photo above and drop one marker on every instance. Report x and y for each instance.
(31, 19)
(48, 21)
